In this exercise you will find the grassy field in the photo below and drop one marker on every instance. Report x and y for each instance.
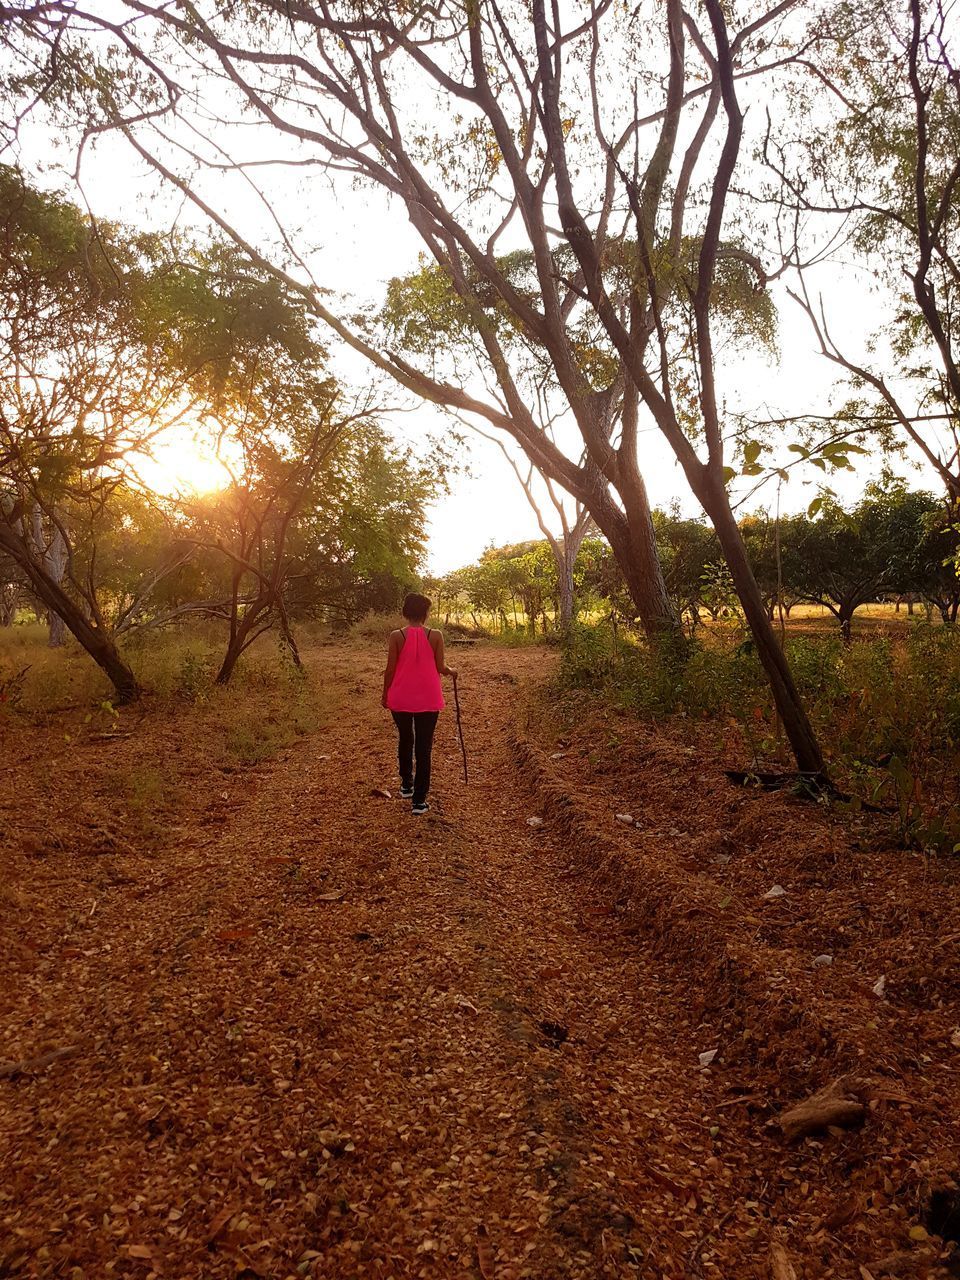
(56, 706)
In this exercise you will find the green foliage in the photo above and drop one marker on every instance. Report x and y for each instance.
(889, 708)
(330, 516)
(428, 313)
(893, 541)
(845, 557)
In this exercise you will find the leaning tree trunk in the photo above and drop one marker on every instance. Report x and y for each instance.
(97, 642)
(796, 724)
(241, 638)
(633, 542)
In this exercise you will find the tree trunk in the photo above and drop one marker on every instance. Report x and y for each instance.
(99, 644)
(565, 552)
(796, 725)
(287, 634)
(566, 596)
(58, 636)
(633, 543)
(846, 623)
(55, 563)
(238, 640)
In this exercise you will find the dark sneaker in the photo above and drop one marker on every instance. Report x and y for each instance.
(406, 793)
(419, 807)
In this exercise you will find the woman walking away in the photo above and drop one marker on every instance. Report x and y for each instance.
(411, 691)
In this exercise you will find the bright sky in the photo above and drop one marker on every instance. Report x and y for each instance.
(359, 242)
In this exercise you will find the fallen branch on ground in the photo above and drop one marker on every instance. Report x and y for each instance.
(10, 1070)
(836, 1105)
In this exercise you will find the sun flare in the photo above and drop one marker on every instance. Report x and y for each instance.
(184, 461)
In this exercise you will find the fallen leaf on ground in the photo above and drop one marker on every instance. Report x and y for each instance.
(843, 1214)
(142, 1251)
(781, 1268)
(235, 935)
(217, 1226)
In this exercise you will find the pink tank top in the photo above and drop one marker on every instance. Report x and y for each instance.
(416, 681)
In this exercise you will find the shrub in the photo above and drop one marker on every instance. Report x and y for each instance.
(886, 709)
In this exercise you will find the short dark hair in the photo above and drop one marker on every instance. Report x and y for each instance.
(416, 607)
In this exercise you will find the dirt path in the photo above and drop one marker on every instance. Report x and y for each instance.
(321, 1037)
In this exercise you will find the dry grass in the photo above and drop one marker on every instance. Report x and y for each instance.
(133, 772)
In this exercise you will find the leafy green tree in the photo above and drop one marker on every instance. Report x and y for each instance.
(362, 535)
(528, 570)
(688, 548)
(842, 559)
(935, 573)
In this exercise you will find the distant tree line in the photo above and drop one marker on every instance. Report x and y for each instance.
(894, 543)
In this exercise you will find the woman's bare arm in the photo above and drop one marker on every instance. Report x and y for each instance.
(393, 652)
(440, 654)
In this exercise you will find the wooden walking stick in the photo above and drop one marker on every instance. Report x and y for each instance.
(463, 749)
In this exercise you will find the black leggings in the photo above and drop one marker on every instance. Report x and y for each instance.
(416, 734)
